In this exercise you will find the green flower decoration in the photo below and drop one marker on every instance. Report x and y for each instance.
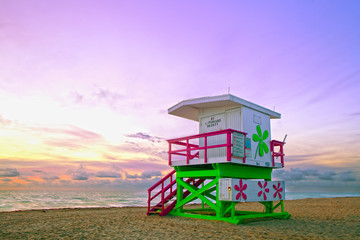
(262, 147)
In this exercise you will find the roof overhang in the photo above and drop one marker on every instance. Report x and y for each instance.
(189, 109)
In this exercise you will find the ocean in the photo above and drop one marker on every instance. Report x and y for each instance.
(30, 200)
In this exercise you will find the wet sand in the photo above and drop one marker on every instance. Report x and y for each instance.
(331, 218)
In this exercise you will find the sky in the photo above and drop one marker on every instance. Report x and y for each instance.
(85, 86)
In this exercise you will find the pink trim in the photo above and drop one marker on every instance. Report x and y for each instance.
(189, 148)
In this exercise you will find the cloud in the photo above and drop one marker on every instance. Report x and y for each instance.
(327, 175)
(354, 114)
(141, 164)
(45, 176)
(112, 98)
(108, 174)
(69, 130)
(311, 179)
(97, 96)
(65, 143)
(144, 175)
(152, 150)
(76, 97)
(335, 87)
(4, 121)
(9, 172)
(347, 176)
(51, 178)
(79, 174)
(6, 179)
(306, 157)
(296, 174)
(80, 133)
(145, 136)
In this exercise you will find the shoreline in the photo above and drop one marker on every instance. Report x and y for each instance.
(329, 218)
(104, 207)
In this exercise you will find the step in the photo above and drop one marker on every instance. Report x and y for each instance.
(156, 212)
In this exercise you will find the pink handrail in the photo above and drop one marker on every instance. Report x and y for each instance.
(280, 153)
(193, 147)
(163, 189)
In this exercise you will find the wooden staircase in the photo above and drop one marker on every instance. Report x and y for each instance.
(168, 194)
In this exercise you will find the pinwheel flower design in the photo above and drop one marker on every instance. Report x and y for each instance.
(278, 189)
(263, 190)
(241, 188)
(262, 147)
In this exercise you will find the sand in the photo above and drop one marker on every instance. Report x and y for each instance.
(332, 218)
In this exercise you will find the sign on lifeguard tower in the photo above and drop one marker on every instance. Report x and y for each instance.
(230, 160)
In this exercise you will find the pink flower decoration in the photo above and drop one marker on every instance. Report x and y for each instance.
(264, 191)
(241, 189)
(278, 189)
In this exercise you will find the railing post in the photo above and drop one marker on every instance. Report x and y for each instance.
(149, 196)
(187, 151)
(272, 152)
(244, 159)
(228, 157)
(171, 185)
(162, 196)
(282, 154)
(205, 150)
(169, 153)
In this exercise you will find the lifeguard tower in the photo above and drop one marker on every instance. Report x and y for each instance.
(229, 161)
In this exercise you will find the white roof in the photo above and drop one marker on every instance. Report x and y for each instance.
(190, 108)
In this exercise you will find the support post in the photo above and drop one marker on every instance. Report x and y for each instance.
(180, 191)
(202, 202)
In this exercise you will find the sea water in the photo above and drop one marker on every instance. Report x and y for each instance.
(30, 200)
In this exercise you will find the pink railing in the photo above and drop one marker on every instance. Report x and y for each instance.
(280, 153)
(163, 190)
(190, 148)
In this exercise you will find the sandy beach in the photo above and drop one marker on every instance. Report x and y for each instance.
(331, 218)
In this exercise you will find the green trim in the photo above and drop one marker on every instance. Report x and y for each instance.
(232, 170)
(235, 219)
(206, 217)
(198, 174)
(225, 170)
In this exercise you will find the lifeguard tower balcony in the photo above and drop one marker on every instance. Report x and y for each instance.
(224, 163)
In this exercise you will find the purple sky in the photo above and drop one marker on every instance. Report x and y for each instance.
(85, 85)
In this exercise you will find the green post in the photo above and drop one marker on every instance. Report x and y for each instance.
(233, 209)
(180, 190)
(202, 202)
(220, 204)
